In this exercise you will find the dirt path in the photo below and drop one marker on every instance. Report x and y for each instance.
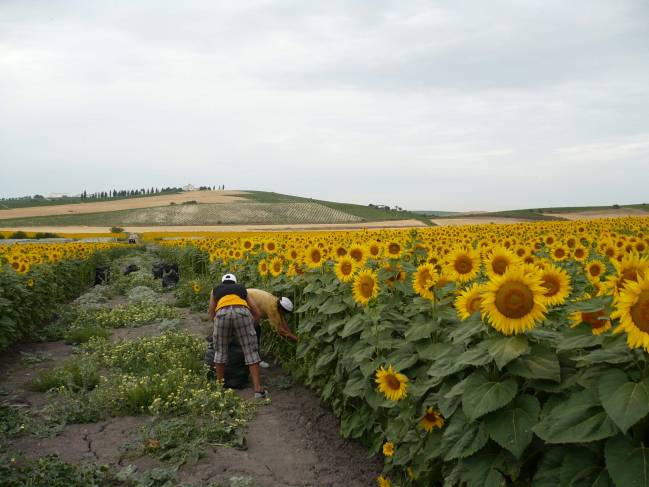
(293, 441)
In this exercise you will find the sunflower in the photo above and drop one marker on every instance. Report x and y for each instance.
(341, 251)
(559, 252)
(424, 280)
(393, 249)
(388, 448)
(628, 270)
(391, 384)
(580, 253)
(345, 268)
(196, 287)
(270, 246)
(374, 249)
(247, 245)
(463, 264)
(275, 267)
(383, 482)
(432, 419)
(498, 260)
(597, 320)
(468, 302)
(314, 257)
(366, 287)
(29, 282)
(262, 267)
(632, 308)
(557, 285)
(514, 301)
(358, 253)
(595, 269)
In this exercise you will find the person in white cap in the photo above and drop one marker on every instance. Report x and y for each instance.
(273, 309)
(234, 312)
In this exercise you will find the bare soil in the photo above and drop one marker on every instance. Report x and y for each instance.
(592, 215)
(293, 441)
(126, 204)
(476, 220)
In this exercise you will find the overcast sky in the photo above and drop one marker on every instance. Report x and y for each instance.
(445, 105)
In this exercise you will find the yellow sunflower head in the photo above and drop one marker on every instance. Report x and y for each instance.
(424, 280)
(358, 253)
(632, 308)
(275, 267)
(463, 264)
(513, 302)
(595, 270)
(388, 448)
(366, 287)
(391, 384)
(262, 267)
(432, 419)
(499, 260)
(468, 302)
(381, 481)
(393, 249)
(557, 285)
(345, 268)
(598, 321)
(314, 257)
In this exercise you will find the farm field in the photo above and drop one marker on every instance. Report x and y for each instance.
(473, 355)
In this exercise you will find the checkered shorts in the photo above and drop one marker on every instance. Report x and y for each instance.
(237, 319)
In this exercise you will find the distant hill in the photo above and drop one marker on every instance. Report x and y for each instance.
(203, 208)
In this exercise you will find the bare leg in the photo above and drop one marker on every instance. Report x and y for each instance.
(254, 373)
(220, 371)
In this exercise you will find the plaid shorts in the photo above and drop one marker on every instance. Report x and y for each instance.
(237, 319)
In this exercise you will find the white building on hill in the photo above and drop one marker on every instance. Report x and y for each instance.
(190, 187)
(57, 195)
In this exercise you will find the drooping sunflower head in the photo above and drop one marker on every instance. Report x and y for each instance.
(632, 308)
(432, 419)
(468, 302)
(345, 268)
(557, 285)
(366, 287)
(391, 384)
(513, 302)
(463, 264)
(424, 280)
(598, 321)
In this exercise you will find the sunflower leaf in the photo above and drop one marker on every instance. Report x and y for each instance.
(482, 396)
(580, 337)
(463, 438)
(579, 419)
(511, 427)
(625, 402)
(541, 363)
(505, 349)
(627, 464)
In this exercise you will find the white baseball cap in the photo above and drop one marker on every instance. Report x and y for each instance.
(286, 304)
(229, 277)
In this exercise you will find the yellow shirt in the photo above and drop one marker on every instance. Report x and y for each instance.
(230, 300)
(267, 305)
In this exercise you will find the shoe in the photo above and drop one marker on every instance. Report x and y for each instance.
(264, 365)
(262, 395)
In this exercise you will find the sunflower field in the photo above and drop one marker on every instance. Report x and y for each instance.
(479, 355)
(36, 277)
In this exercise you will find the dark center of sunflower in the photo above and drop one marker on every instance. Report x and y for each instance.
(550, 283)
(346, 268)
(593, 319)
(640, 311)
(499, 265)
(463, 264)
(549, 240)
(640, 247)
(610, 252)
(595, 270)
(341, 251)
(394, 248)
(520, 252)
(15, 265)
(431, 417)
(559, 253)
(579, 253)
(367, 286)
(315, 256)
(571, 242)
(374, 250)
(514, 300)
(271, 246)
(392, 382)
(247, 245)
(277, 267)
(356, 254)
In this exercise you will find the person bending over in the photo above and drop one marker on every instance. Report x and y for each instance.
(274, 309)
(234, 312)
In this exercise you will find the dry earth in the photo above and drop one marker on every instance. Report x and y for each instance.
(229, 228)
(592, 215)
(476, 220)
(125, 204)
(292, 442)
